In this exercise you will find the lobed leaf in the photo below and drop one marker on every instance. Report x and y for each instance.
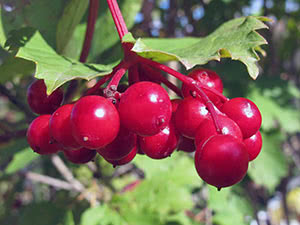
(236, 39)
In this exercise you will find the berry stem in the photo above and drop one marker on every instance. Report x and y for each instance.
(156, 75)
(191, 83)
(98, 85)
(133, 74)
(117, 17)
(93, 14)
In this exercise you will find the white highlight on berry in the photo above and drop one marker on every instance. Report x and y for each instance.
(225, 130)
(166, 131)
(203, 111)
(154, 98)
(85, 138)
(100, 113)
(247, 111)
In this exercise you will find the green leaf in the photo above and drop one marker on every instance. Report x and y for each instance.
(73, 13)
(236, 39)
(100, 215)
(15, 67)
(56, 69)
(20, 160)
(271, 164)
(68, 220)
(229, 208)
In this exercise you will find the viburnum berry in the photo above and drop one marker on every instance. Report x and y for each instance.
(145, 108)
(95, 122)
(80, 156)
(206, 78)
(60, 127)
(38, 136)
(208, 129)
(190, 113)
(245, 113)
(127, 159)
(39, 101)
(186, 144)
(222, 161)
(160, 145)
(121, 145)
(253, 145)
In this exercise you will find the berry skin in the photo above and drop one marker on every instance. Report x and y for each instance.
(245, 113)
(120, 147)
(208, 129)
(160, 145)
(207, 78)
(186, 144)
(175, 103)
(38, 136)
(80, 156)
(60, 127)
(38, 100)
(190, 113)
(125, 160)
(253, 145)
(145, 108)
(222, 161)
(95, 122)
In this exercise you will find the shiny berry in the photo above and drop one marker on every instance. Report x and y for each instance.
(80, 156)
(253, 145)
(38, 136)
(208, 129)
(245, 113)
(222, 161)
(145, 108)
(160, 145)
(190, 113)
(175, 103)
(120, 147)
(39, 101)
(124, 160)
(60, 127)
(95, 122)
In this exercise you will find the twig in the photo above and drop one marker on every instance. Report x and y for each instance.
(60, 184)
(12, 135)
(66, 173)
(13, 99)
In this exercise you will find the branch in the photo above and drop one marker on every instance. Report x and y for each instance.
(12, 135)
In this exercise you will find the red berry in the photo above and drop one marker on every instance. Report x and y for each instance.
(190, 113)
(60, 127)
(186, 144)
(208, 129)
(207, 78)
(175, 103)
(222, 161)
(145, 108)
(245, 113)
(80, 156)
(95, 122)
(125, 160)
(120, 147)
(253, 145)
(160, 145)
(38, 100)
(38, 136)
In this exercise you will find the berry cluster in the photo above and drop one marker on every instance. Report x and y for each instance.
(118, 122)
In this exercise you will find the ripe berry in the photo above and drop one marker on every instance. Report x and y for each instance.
(160, 145)
(207, 78)
(208, 129)
(190, 113)
(245, 113)
(80, 156)
(38, 136)
(145, 108)
(175, 103)
(124, 160)
(253, 145)
(38, 100)
(60, 127)
(120, 147)
(186, 144)
(222, 161)
(95, 122)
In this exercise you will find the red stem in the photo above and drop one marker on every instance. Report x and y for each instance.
(93, 89)
(133, 74)
(117, 17)
(93, 14)
(156, 75)
(191, 84)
